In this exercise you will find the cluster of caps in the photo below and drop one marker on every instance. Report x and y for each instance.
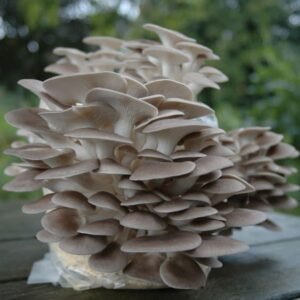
(176, 57)
(137, 180)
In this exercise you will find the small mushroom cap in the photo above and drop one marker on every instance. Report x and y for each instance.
(47, 237)
(109, 166)
(211, 262)
(105, 42)
(182, 272)
(168, 242)
(218, 246)
(168, 37)
(225, 186)
(183, 155)
(72, 89)
(166, 53)
(27, 119)
(169, 88)
(172, 206)
(145, 266)
(142, 198)
(104, 227)
(150, 153)
(244, 217)
(24, 182)
(158, 170)
(282, 151)
(190, 109)
(200, 80)
(39, 206)
(196, 196)
(193, 213)
(135, 88)
(63, 222)
(214, 74)
(208, 164)
(82, 244)
(72, 199)
(143, 220)
(69, 170)
(127, 184)
(204, 225)
(193, 48)
(106, 200)
(110, 260)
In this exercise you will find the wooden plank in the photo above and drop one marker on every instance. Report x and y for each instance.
(265, 272)
(17, 257)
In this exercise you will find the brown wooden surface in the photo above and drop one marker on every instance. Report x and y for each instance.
(270, 270)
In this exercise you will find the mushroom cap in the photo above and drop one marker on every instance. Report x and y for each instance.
(149, 170)
(169, 88)
(108, 227)
(142, 198)
(172, 55)
(204, 225)
(107, 201)
(82, 244)
(218, 246)
(109, 166)
(62, 222)
(240, 217)
(39, 206)
(69, 170)
(168, 242)
(225, 186)
(72, 199)
(105, 42)
(182, 272)
(24, 182)
(168, 37)
(72, 89)
(150, 153)
(110, 260)
(200, 79)
(171, 206)
(193, 213)
(143, 220)
(145, 266)
(47, 237)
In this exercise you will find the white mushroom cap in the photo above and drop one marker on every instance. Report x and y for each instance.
(72, 89)
(105, 42)
(131, 110)
(168, 37)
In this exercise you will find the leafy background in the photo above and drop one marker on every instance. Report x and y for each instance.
(258, 42)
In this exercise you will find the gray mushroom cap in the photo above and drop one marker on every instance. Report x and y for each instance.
(168, 242)
(244, 217)
(47, 237)
(110, 260)
(108, 227)
(182, 272)
(82, 244)
(143, 220)
(39, 206)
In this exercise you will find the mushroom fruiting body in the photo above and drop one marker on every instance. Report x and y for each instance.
(140, 185)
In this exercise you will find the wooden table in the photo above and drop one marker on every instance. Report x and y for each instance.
(270, 270)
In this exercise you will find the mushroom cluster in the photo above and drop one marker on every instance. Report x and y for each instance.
(176, 57)
(257, 151)
(137, 180)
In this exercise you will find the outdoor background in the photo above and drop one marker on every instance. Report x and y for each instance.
(258, 41)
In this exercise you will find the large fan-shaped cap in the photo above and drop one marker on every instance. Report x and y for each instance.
(168, 37)
(218, 246)
(169, 88)
(108, 227)
(72, 89)
(240, 217)
(39, 206)
(158, 170)
(62, 222)
(182, 272)
(110, 260)
(70, 170)
(143, 220)
(82, 244)
(72, 199)
(168, 242)
(145, 266)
